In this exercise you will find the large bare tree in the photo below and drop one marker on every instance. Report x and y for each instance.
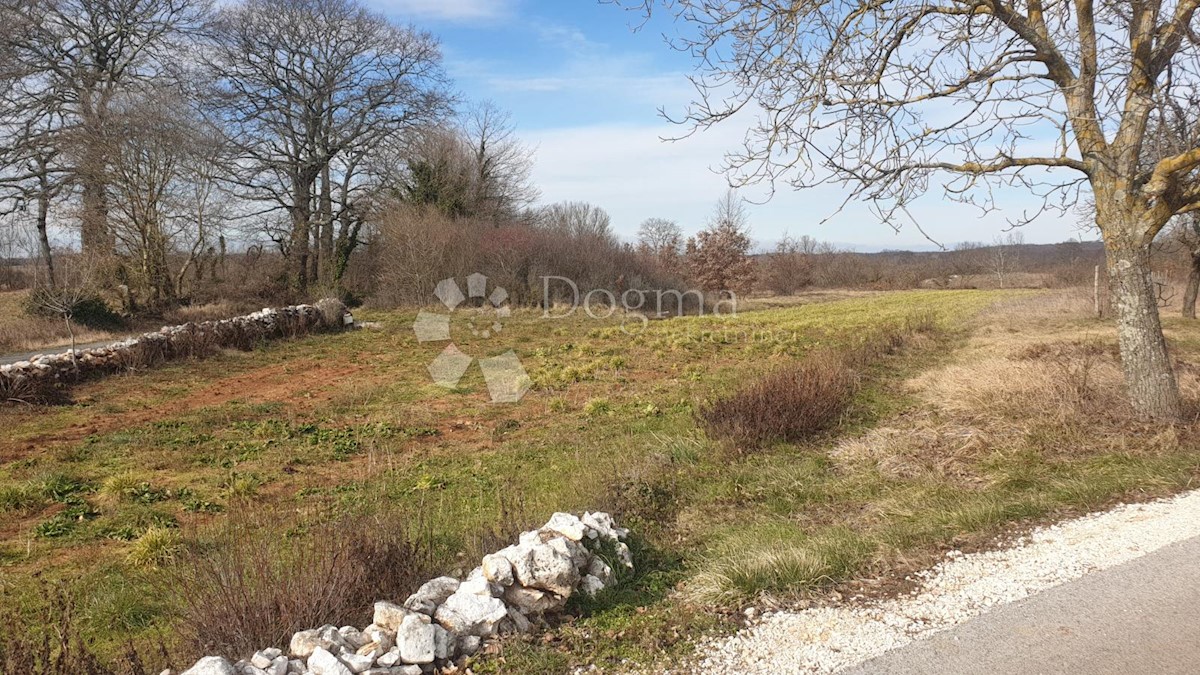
(306, 88)
(65, 65)
(502, 163)
(1051, 97)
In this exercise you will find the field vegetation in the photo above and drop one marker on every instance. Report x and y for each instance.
(206, 506)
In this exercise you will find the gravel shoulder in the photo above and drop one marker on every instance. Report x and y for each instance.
(830, 639)
(1138, 617)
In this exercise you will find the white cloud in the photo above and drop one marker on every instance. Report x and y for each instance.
(446, 10)
(634, 175)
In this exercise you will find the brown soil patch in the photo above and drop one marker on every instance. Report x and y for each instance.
(298, 384)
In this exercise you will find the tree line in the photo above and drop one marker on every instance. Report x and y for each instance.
(158, 130)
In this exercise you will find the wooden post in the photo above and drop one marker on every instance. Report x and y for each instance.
(1096, 293)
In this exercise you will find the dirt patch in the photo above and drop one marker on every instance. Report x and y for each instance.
(300, 385)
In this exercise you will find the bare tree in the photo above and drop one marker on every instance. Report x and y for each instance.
(578, 219)
(790, 266)
(76, 286)
(66, 63)
(1185, 235)
(1051, 96)
(1004, 255)
(659, 235)
(34, 177)
(163, 162)
(502, 163)
(308, 88)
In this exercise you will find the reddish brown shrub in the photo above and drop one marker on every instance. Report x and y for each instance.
(788, 404)
(256, 586)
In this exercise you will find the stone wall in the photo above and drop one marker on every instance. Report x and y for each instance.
(44, 376)
(448, 620)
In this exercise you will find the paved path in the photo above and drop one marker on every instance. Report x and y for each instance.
(1139, 617)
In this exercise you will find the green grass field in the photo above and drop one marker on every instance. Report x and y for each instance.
(98, 496)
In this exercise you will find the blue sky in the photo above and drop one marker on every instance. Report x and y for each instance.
(585, 91)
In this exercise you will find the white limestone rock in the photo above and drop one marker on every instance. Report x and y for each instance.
(263, 658)
(531, 601)
(470, 614)
(431, 594)
(415, 638)
(601, 523)
(389, 658)
(600, 569)
(469, 644)
(353, 637)
(590, 585)
(548, 567)
(323, 662)
(379, 636)
(567, 525)
(520, 623)
(624, 555)
(443, 644)
(389, 615)
(357, 662)
(497, 569)
(212, 665)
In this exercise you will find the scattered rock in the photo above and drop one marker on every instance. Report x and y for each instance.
(545, 566)
(390, 658)
(380, 637)
(531, 601)
(357, 663)
(600, 569)
(591, 585)
(567, 525)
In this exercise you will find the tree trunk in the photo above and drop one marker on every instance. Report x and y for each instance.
(1149, 377)
(43, 217)
(94, 235)
(301, 217)
(325, 236)
(1193, 288)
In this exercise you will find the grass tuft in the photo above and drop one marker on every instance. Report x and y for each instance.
(157, 546)
(776, 558)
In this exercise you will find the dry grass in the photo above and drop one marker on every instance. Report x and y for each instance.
(20, 332)
(1039, 375)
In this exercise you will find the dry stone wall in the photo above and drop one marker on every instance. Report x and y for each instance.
(447, 619)
(43, 376)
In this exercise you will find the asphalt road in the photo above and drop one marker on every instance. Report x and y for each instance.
(1140, 617)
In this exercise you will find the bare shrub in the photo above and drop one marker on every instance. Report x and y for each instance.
(253, 587)
(788, 404)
